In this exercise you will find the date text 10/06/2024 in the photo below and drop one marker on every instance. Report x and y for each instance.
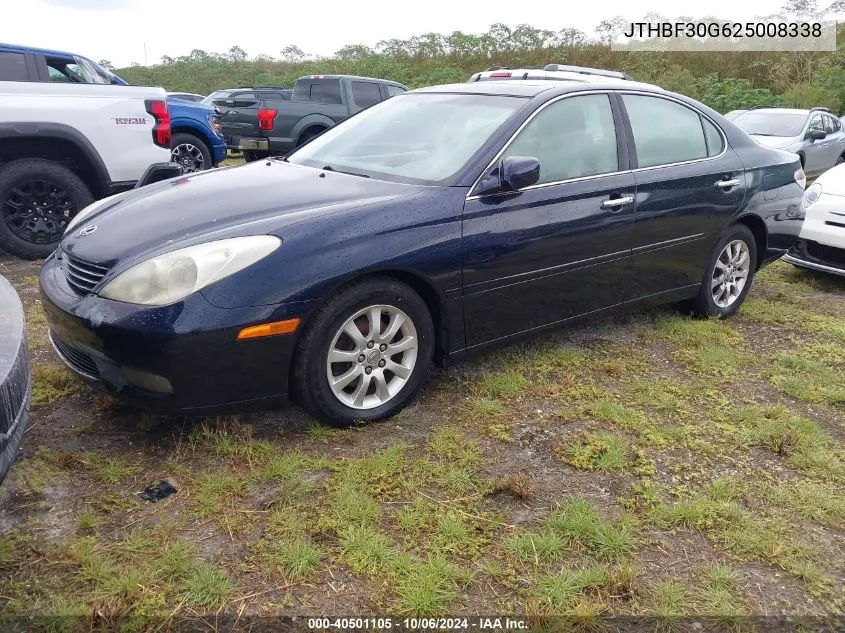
(417, 624)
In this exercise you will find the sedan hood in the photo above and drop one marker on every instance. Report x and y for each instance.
(779, 142)
(833, 181)
(255, 199)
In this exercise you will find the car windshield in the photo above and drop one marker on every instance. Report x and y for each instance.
(771, 123)
(416, 138)
(217, 94)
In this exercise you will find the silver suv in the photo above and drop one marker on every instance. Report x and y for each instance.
(815, 135)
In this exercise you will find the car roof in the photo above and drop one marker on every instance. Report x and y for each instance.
(531, 88)
(803, 111)
(14, 48)
(358, 77)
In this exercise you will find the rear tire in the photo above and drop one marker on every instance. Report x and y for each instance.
(729, 274)
(307, 135)
(191, 152)
(38, 198)
(402, 340)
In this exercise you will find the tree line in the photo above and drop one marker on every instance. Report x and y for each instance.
(724, 80)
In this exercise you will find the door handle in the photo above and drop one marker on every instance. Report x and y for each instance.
(615, 203)
(727, 184)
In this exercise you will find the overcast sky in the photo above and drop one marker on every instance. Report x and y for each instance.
(118, 30)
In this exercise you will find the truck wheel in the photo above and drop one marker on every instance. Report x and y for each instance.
(38, 198)
(190, 152)
(308, 134)
(252, 156)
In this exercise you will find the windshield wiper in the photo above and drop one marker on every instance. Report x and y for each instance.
(340, 171)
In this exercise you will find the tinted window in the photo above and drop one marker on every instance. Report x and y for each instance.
(365, 93)
(392, 91)
(571, 138)
(665, 132)
(217, 95)
(318, 90)
(715, 144)
(13, 67)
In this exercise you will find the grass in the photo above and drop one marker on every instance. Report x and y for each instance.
(594, 451)
(366, 551)
(214, 491)
(802, 441)
(807, 376)
(426, 588)
(556, 593)
(297, 558)
(208, 588)
(709, 483)
(505, 385)
(54, 383)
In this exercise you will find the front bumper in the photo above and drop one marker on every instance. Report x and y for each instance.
(191, 347)
(219, 151)
(810, 254)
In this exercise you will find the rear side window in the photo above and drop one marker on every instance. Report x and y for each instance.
(665, 132)
(318, 90)
(392, 91)
(715, 143)
(365, 93)
(572, 138)
(13, 67)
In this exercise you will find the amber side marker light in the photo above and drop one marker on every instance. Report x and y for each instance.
(268, 329)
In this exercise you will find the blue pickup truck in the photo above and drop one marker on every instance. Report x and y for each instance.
(196, 139)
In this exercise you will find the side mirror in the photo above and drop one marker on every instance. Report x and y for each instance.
(518, 172)
(817, 135)
(511, 174)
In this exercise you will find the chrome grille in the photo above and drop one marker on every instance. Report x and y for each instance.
(82, 276)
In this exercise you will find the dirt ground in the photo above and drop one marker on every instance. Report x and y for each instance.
(648, 465)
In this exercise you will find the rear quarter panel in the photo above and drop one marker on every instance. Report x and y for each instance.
(113, 118)
(773, 195)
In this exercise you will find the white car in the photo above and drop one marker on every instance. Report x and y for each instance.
(822, 243)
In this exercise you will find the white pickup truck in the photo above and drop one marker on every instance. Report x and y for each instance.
(65, 143)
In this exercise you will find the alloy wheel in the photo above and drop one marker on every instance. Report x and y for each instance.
(189, 156)
(730, 273)
(372, 356)
(38, 211)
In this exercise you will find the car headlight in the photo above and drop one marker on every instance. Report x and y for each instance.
(811, 195)
(173, 276)
(91, 208)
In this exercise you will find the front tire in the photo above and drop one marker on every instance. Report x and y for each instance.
(38, 198)
(729, 274)
(365, 353)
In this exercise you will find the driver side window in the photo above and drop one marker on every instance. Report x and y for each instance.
(816, 123)
(572, 138)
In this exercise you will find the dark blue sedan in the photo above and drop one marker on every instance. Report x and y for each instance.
(433, 224)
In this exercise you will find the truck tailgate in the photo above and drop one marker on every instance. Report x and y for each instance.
(238, 122)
